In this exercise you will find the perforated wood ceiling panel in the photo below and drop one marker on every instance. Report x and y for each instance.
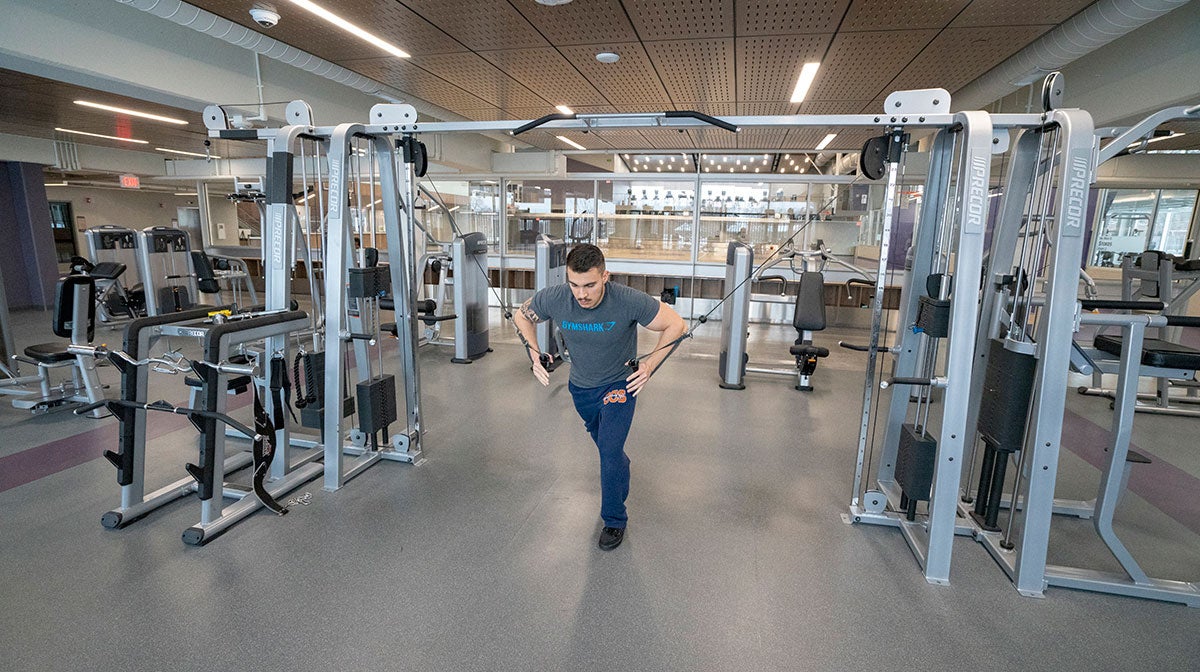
(715, 138)
(832, 106)
(480, 24)
(781, 17)
(681, 19)
(547, 73)
(766, 109)
(695, 69)
(580, 22)
(1009, 13)
(663, 138)
(959, 55)
(714, 109)
(408, 77)
(860, 65)
(486, 114)
(767, 67)
(761, 138)
(589, 140)
(623, 139)
(847, 139)
(388, 19)
(630, 81)
(901, 14)
(471, 72)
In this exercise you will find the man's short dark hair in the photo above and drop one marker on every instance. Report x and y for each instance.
(583, 258)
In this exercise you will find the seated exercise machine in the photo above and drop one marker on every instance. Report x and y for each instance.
(808, 310)
(74, 318)
(167, 269)
(113, 260)
(1171, 280)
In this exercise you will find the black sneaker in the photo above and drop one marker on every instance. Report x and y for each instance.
(611, 537)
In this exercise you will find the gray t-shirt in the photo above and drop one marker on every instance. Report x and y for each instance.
(600, 339)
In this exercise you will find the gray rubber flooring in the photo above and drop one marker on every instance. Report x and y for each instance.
(484, 557)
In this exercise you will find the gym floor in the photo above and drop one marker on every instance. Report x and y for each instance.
(484, 557)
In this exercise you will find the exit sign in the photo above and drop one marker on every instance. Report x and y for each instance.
(131, 182)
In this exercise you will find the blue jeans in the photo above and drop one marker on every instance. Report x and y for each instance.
(607, 413)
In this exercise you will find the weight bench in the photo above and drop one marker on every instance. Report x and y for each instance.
(809, 317)
(74, 318)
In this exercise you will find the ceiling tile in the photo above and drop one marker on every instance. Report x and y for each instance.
(411, 79)
(667, 138)
(860, 65)
(712, 109)
(547, 73)
(1009, 13)
(623, 138)
(832, 106)
(630, 81)
(713, 138)
(471, 72)
(681, 19)
(761, 138)
(387, 19)
(767, 67)
(761, 109)
(901, 14)
(959, 55)
(580, 22)
(695, 69)
(480, 24)
(780, 17)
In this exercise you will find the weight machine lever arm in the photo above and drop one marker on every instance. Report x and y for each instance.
(936, 381)
(862, 348)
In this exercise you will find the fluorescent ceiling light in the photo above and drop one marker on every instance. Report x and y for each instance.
(106, 137)
(186, 193)
(56, 184)
(807, 74)
(132, 113)
(350, 27)
(825, 143)
(177, 151)
(572, 143)
(564, 109)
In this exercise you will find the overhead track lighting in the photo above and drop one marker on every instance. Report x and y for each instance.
(350, 27)
(132, 113)
(99, 135)
(807, 74)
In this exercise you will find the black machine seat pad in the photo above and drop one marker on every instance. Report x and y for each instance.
(1155, 352)
(806, 350)
(49, 353)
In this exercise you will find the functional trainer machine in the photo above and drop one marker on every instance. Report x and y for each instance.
(550, 269)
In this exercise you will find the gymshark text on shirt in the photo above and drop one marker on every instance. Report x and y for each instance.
(587, 326)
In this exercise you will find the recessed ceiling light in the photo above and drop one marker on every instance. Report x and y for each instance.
(552, 3)
(178, 151)
(825, 143)
(807, 74)
(350, 27)
(132, 113)
(570, 142)
(106, 137)
(564, 109)
(608, 57)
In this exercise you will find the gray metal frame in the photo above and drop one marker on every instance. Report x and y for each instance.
(931, 538)
(549, 269)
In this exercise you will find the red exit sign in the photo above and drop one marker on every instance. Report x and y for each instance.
(131, 182)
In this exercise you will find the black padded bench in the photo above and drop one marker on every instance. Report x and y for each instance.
(1155, 352)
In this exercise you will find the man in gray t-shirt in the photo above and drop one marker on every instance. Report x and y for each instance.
(598, 321)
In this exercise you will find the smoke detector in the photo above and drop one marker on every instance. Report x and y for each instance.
(552, 3)
(607, 57)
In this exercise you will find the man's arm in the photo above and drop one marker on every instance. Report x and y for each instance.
(525, 320)
(669, 326)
